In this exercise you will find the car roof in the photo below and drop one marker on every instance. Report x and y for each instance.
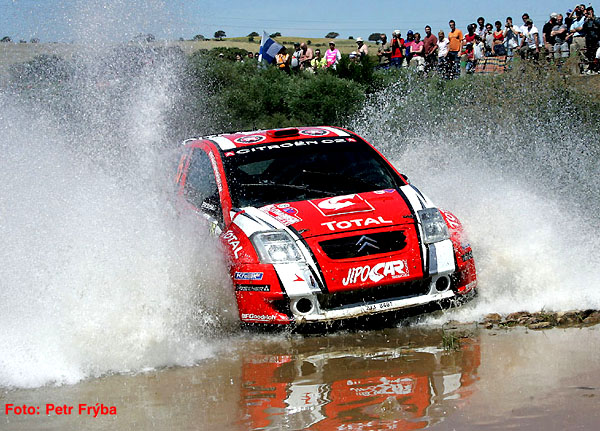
(231, 141)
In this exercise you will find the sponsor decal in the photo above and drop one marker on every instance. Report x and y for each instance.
(213, 162)
(290, 144)
(314, 132)
(248, 276)
(257, 317)
(286, 216)
(377, 272)
(451, 220)
(234, 242)
(253, 287)
(359, 222)
(252, 139)
(399, 386)
(298, 278)
(342, 205)
(467, 256)
(382, 192)
(208, 206)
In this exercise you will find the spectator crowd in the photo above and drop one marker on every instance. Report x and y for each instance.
(575, 33)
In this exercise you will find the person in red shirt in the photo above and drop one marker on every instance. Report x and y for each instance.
(397, 49)
(455, 45)
(430, 49)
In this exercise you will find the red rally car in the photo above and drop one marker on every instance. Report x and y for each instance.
(319, 227)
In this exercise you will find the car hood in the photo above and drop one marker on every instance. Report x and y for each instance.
(339, 214)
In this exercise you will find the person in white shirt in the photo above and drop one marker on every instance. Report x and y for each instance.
(530, 45)
(443, 44)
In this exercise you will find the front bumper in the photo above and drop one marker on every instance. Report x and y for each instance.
(382, 306)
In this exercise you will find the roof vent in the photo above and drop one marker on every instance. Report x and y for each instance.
(283, 133)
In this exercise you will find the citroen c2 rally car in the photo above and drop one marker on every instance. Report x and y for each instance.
(319, 227)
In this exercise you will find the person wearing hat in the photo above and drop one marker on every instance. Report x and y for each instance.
(410, 38)
(397, 49)
(362, 49)
(548, 37)
(332, 55)
(296, 57)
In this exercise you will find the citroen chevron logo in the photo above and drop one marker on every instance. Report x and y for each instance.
(365, 241)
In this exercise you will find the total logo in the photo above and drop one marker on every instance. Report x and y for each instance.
(359, 222)
(376, 273)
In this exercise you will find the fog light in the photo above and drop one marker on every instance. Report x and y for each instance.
(304, 305)
(442, 284)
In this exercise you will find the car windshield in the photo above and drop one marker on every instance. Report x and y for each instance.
(301, 170)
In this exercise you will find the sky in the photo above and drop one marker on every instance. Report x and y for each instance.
(78, 20)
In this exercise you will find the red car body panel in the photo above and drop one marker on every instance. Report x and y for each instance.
(367, 243)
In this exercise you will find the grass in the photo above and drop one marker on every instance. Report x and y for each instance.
(450, 340)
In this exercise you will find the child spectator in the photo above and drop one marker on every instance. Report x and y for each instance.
(470, 57)
(478, 49)
(488, 40)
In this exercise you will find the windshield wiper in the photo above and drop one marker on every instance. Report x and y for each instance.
(290, 186)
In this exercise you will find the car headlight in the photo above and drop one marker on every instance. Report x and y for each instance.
(434, 225)
(276, 247)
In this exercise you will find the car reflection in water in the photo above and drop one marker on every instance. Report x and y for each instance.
(404, 388)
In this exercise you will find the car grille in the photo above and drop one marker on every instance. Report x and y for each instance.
(364, 245)
(330, 301)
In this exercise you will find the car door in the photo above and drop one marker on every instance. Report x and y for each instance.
(200, 188)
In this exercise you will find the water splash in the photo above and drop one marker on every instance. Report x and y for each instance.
(99, 271)
(525, 188)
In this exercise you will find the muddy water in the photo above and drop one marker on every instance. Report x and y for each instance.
(391, 379)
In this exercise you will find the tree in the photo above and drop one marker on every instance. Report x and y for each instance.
(199, 37)
(6, 39)
(375, 37)
(220, 34)
(253, 34)
(34, 40)
(277, 34)
(350, 37)
(332, 35)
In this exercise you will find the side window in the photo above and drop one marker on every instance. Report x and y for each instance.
(200, 185)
